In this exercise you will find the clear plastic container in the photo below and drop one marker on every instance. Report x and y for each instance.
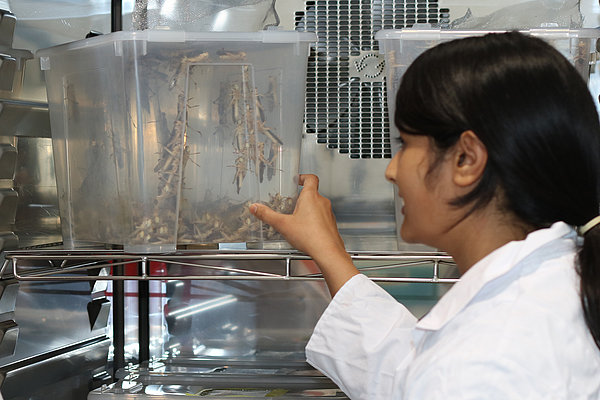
(164, 138)
(401, 47)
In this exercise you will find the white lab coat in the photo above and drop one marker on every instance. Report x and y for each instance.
(511, 328)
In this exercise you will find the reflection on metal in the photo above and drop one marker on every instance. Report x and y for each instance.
(54, 265)
(203, 306)
(8, 207)
(47, 349)
(245, 377)
(18, 118)
(8, 240)
(60, 374)
(8, 68)
(98, 311)
(9, 332)
(50, 315)
(193, 15)
(8, 160)
(24, 118)
(37, 219)
(12, 61)
(7, 26)
(9, 288)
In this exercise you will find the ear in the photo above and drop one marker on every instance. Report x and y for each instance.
(469, 159)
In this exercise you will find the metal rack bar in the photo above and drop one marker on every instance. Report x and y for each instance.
(144, 313)
(58, 267)
(118, 290)
(116, 15)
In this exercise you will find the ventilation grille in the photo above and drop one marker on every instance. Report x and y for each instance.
(346, 102)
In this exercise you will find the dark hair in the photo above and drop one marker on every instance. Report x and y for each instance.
(535, 115)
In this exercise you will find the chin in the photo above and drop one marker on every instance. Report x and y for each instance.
(412, 237)
(408, 236)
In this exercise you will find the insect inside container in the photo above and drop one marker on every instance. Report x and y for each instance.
(219, 221)
(225, 55)
(246, 125)
(152, 222)
(184, 63)
(282, 204)
(582, 56)
(252, 133)
(221, 102)
(272, 95)
(225, 221)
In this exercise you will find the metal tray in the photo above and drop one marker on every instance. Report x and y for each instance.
(218, 378)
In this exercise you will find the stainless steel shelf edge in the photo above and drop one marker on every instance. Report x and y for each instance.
(65, 265)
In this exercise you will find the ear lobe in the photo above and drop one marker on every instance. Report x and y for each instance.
(470, 159)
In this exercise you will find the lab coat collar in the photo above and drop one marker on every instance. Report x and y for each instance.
(492, 266)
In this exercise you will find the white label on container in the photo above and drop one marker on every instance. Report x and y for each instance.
(118, 48)
(166, 36)
(45, 63)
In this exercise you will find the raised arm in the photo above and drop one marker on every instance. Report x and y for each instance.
(312, 230)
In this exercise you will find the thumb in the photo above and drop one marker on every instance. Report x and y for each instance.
(266, 214)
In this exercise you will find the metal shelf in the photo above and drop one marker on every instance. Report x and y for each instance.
(69, 265)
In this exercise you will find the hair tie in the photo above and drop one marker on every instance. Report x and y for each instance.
(592, 223)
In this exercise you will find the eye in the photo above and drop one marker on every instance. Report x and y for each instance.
(399, 141)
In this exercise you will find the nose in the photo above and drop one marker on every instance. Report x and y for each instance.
(390, 171)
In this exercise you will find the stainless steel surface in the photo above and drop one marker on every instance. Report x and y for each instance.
(232, 378)
(49, 348)
(64, 374)
(190, 15)
(8, 240)
(9, 329)
(37, 218)
(9, 288)
(8, 68)
(7, 26)
(24, 118)
(8, 206)
(12, 61)
(51, 316)
(9, 332)
(8, 160)
(23, 113)
(8, 197)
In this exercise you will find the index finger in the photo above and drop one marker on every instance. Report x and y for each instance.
(309, 181)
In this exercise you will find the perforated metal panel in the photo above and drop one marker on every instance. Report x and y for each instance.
(346, 102)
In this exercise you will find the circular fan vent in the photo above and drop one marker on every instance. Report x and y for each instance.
(369, 66)
(346, 102)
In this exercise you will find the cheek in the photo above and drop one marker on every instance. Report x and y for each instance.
(420, 212)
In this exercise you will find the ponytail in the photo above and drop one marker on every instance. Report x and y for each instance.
(589, 272)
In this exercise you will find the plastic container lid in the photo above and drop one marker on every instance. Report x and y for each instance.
(167, 36)
(429, 33)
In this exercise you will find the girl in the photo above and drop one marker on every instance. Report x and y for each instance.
(499, 165)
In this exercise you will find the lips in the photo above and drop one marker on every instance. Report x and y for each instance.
(401, 200)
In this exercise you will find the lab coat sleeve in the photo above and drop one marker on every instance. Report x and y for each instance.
(363, 341)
